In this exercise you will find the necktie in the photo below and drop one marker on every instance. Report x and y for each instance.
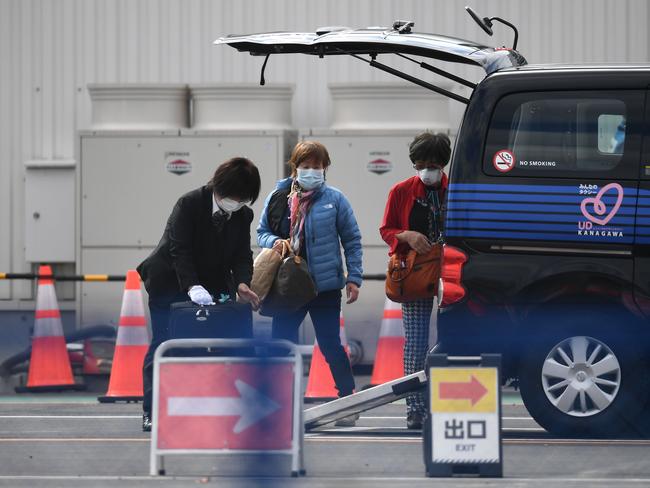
(219, 219)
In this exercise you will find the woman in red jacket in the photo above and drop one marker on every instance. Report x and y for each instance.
(412, 220)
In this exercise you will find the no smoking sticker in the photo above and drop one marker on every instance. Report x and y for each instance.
(503, 160)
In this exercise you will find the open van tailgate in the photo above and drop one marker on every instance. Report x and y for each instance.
(376, 40)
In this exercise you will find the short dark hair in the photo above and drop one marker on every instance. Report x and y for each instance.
(308, 150)
(238, 177)
(429, 147)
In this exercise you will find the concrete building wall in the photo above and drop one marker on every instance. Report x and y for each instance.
(51, 49)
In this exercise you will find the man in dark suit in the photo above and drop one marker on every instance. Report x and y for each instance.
(204, 253)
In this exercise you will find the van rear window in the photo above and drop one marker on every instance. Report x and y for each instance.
(565, 134)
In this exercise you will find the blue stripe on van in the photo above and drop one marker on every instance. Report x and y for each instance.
(546, 189)
(536, 212)
(524, 217)
(543, 208)
(516, 226)
(626, 239)
(535, 198)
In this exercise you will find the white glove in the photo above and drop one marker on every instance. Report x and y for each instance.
(200, 295)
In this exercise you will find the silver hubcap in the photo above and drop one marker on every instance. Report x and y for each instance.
(581, 376)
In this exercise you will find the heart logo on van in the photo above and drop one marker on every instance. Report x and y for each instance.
(599, 207)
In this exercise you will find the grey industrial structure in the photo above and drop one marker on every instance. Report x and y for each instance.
(85, 182)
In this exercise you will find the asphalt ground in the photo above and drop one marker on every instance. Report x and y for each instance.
(71, 440)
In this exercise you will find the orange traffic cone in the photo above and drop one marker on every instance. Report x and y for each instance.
(130, 347)
(389, 357)
(49, 364)
(320, 385)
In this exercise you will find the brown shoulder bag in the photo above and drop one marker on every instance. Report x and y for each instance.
(413, 276)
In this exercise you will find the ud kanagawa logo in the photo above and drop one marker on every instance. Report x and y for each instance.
(595, 209)
(599, 210)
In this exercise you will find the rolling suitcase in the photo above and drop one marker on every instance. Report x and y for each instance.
(228, 320)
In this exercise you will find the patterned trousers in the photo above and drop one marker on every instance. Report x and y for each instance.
(416, 316)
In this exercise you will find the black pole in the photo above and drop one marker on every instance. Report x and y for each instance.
(499, 19)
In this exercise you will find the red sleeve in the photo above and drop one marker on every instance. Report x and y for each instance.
(390, 225)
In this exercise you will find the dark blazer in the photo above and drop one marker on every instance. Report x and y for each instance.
(193, 252)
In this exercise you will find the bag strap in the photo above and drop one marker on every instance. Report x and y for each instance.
(439, 219)
(286, 249)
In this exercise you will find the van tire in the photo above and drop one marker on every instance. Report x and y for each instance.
(626, 402)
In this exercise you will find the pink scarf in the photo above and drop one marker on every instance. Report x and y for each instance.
(299, 203)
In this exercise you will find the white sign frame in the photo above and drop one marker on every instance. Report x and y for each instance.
(157, 466)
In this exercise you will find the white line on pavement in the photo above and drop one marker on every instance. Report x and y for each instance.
(506, 442)
(74, 439)
(501, 481)
(355, 438)
(360, 428)
(74, 417)
(389, 417)
(119, 417)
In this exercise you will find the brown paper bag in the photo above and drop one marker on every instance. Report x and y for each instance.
(265, 267)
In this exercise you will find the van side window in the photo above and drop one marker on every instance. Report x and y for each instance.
(611, 133)
(566, 134)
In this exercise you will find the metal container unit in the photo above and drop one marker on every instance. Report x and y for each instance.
(130, 178)
(372, 127)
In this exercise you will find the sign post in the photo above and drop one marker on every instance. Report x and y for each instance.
(227, 405)
(462, 434)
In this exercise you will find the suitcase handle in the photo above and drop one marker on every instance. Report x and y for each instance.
(202, 314)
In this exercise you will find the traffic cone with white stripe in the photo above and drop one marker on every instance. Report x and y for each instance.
(130, 347)
(320, 385)
(389, 357)
(49, 363)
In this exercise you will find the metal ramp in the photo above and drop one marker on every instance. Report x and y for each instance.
(364, 400)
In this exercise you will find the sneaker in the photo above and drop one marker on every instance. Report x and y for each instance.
(349, 421)
(146, 422)
(414, 420)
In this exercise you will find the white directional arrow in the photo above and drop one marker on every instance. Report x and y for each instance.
(251, 406)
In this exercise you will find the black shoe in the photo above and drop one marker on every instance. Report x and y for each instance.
(414, 420)
(146, 422)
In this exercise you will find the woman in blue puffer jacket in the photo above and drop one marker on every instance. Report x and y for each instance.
(318, 220)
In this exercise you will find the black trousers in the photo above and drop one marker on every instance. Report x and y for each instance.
(159, 310)
(324, 311)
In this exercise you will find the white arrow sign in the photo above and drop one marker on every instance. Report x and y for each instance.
(251, 406)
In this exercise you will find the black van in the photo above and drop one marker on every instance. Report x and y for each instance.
(548, 225)
(547, 259)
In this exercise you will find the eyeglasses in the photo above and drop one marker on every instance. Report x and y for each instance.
(420, 165)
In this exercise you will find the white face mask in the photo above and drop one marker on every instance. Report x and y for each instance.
(308, 179)
(430, 176)
(229, 205)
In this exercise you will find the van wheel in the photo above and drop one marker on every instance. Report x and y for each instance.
(585, 383)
